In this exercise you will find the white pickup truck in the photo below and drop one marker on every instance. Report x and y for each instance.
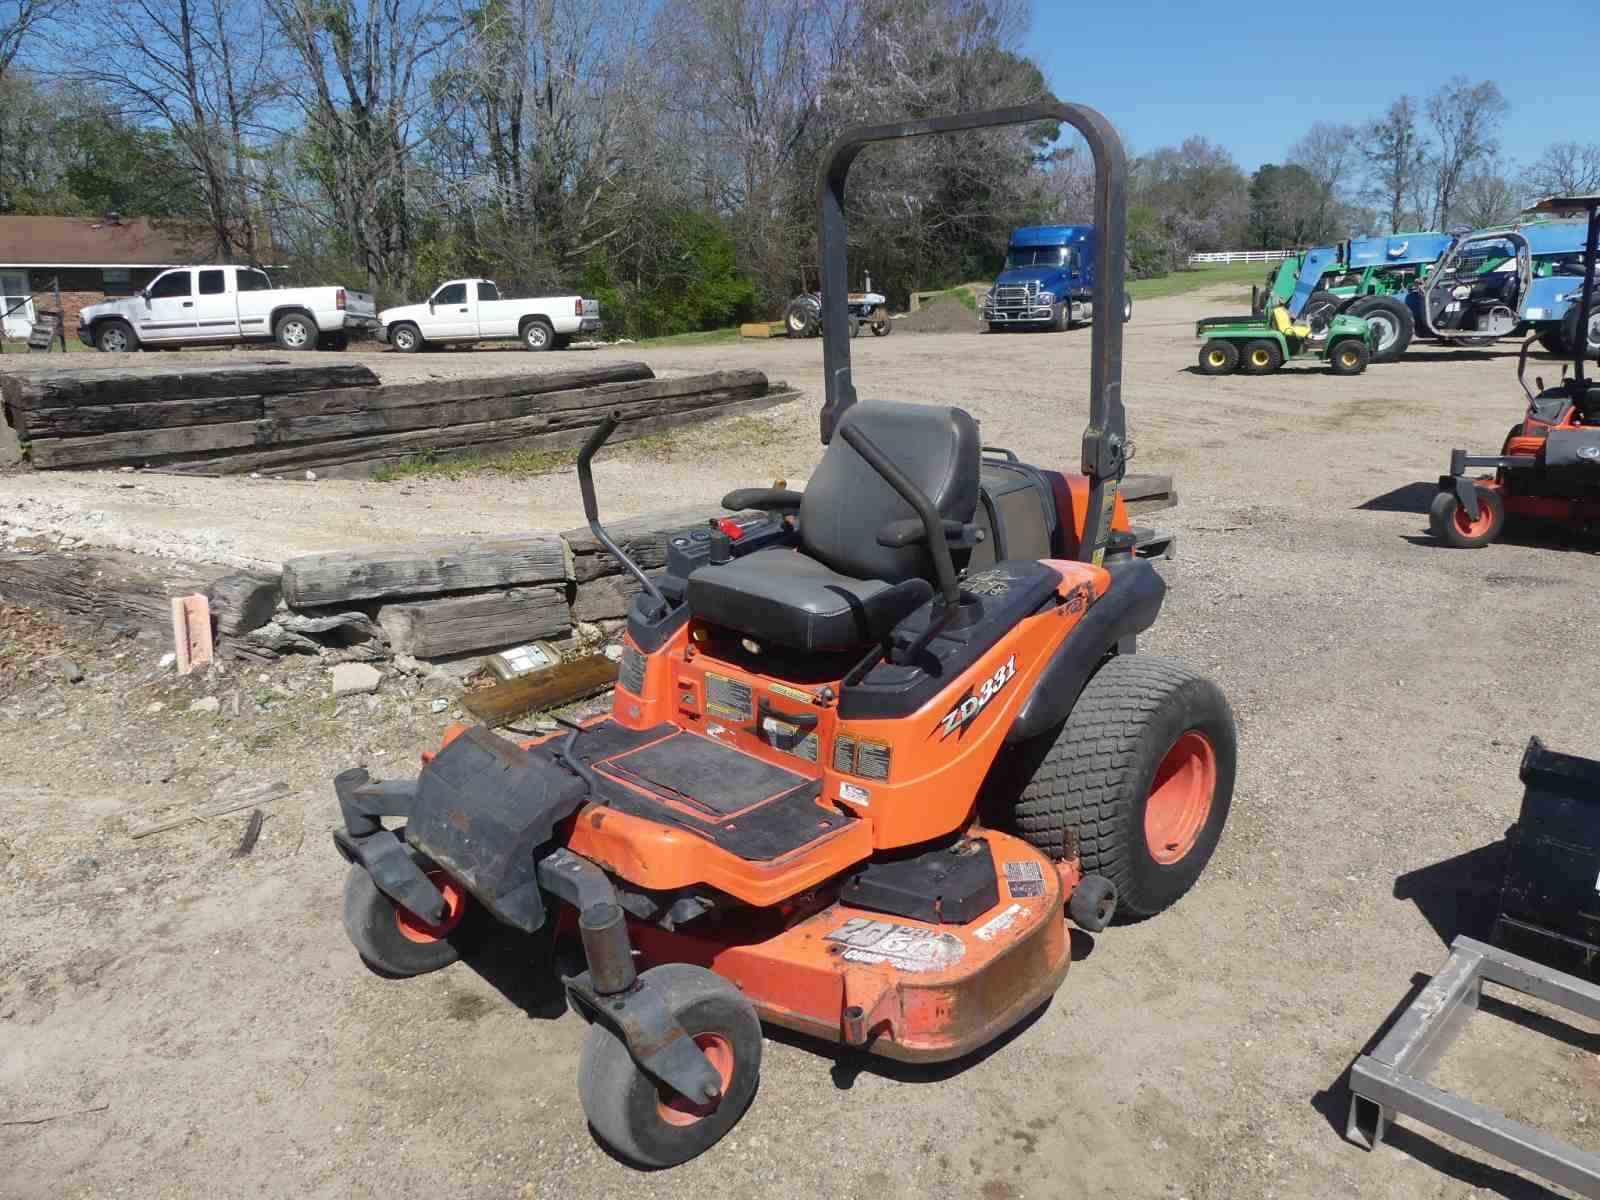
(471, 310)
(192, 306)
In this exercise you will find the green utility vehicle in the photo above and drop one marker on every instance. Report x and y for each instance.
(1260, 345)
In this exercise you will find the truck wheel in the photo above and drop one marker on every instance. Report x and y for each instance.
(1138, 781)
(1061, 316)
(642, 1120)
(1348, 356)
(1393, 321)
(1569, 332)
(1219, 357)
(115, 337)
(1449, 522)
(998, 327)
(396, 942)
(538, 336)
(296, 331)
(406, 338)
(334, 341)
(1260, 357)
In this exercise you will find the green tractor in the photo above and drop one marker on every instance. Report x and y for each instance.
(1260, 345)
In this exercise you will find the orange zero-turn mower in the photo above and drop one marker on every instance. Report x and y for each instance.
(867, 750)
(1549, 466)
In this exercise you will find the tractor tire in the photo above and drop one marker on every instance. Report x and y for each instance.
(1395, 324)
(1569, 333)
(1219, 357)
(397, 943)
(115, 336)
(1552, 341)
(1137, 781)
(1260, 357)
(639, 1118)
(1321, 308)
(1349, 356)
(802, 318)
(880, 324)
(1449, 522)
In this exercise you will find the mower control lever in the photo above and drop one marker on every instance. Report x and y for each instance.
(591, 508)
(932, 523)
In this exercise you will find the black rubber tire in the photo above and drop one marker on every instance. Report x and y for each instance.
(1264, 349)
(406, 338)
(1569, 332)
(1061, 316)
(1552, 341)
(621, 1101)
(998, 327)
(295, 331)
(1230, 350)
(1093, 903)
(1349, 356)
(538, 335)
(855, 326)
(1514, 431)
(369, 921)
(334, 341)
(110, 331)
(1320, 308)
(1127, 309)
(563, 341)
(880, 324)
(802, 319)
(1387, 309)
(1442, 520)
(1093, 779)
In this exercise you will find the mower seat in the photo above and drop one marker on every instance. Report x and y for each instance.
(841, 589)
(1284, 325)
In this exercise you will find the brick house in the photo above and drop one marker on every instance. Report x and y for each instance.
(94, 257)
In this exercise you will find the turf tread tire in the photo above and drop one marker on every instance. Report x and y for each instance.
(369, 922)
(1089, 787)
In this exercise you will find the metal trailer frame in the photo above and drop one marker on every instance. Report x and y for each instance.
(1392, 1080)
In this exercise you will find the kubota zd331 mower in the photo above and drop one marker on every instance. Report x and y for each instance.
(863, 757)
(1549, 467)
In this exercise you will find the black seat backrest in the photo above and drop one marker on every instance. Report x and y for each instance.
(846, 502)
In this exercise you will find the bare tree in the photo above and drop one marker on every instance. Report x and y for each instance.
(1487, 199)
(20, 21)
(1329, 154)
(1566, 168)
(1465, 117)
(1395, 154)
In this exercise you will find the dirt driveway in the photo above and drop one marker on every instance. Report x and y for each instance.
(200, 1027)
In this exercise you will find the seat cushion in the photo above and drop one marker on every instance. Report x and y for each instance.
(784, 597)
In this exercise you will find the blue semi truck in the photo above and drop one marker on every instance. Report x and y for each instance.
(1048, 280)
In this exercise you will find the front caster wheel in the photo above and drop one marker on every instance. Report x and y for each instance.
(396, 942)
(1452, 525)
(641, 1119)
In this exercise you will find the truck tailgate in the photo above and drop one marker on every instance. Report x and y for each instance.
(362, 304)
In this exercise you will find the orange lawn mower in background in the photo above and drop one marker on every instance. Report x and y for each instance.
(1549, 466)
(868, 751)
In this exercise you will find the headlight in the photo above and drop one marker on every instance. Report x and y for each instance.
(1047, 297)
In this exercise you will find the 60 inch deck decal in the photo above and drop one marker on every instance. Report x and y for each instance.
(967, 708)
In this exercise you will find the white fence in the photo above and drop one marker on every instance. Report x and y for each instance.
(1244, 256)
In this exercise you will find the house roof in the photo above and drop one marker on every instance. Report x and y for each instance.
(92, 242)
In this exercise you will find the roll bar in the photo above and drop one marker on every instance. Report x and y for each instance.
(1105, 439)
(1587, 207)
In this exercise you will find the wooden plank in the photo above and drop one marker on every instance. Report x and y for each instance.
(244, 600)
(191, 631)
(264, 794)
(10, 443)
(1148, 493)
(320, 579)
(139, 445)
(537, 431)
(543, 689)
(155, 414)
(109, 587)
(405, 395)
(459, 624)
(70, 387)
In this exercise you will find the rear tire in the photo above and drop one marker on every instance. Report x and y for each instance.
(1138, 781)
(1260, 357)
(1569, 332)
(295, 331)
(1553, 342)
(396, 942)
(1348, 356)
(633, 1114)
(538, 336)
(1219, 357)
(1449, 521)
(1394, 323)
(803, 318)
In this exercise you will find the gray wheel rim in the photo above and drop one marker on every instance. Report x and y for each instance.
(1594, 331)
(294, 333)
(114, 341)
(1388, 329)
(538, 336)
(403, 339)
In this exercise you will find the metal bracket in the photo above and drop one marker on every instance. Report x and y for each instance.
(1390, 1081)
(381, 851)
(1467, 493)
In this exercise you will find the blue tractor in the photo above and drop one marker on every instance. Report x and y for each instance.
(1048, 280)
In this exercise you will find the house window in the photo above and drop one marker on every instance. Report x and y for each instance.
(116, 281)
(14, 292)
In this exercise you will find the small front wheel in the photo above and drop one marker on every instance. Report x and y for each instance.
(1454, 526)
(643, 1120)
(1218, 357)
(1349, 357)
(396, 942)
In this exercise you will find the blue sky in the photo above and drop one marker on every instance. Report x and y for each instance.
(1165, 70)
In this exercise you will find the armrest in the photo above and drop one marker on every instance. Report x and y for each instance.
(909, 532)
(765, 499)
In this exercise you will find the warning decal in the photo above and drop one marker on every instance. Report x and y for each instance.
(1024, 879)
(904, 947)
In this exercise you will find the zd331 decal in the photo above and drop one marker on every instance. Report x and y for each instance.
(966, 709)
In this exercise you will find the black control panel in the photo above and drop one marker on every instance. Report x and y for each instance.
(722, 539)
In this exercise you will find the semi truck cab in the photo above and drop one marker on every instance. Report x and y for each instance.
(1048, 279)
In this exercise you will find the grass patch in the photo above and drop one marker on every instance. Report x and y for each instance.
(1179, 282)
(428, 464)
(705, 337)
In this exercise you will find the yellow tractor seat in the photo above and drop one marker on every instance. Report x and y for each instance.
(1282, 323)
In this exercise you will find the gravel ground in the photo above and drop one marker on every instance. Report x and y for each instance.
(209, 1015)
